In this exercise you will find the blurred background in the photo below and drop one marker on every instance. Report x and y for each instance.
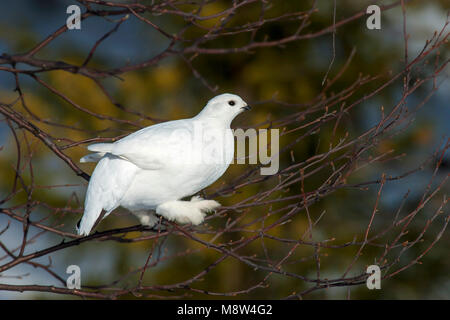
(169, 90)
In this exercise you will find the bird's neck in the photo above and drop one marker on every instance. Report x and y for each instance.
(214, 122)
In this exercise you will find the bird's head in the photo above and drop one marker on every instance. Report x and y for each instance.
(225, 106)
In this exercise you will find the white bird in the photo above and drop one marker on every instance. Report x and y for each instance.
(150, 170)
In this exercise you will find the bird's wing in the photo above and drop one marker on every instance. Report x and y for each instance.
(108, 184)
(152, 147)
(92, 157)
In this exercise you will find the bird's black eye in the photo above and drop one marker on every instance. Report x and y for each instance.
(231, 103)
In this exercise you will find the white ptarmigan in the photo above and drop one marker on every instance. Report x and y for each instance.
(150, 170)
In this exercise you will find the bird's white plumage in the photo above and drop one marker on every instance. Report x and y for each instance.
(151, 169)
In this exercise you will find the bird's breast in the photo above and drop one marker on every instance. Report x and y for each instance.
(187, 172)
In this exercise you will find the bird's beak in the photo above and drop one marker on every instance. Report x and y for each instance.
(247, 107)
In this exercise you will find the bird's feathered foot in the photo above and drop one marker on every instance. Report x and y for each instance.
(193, 211)
(146, 218)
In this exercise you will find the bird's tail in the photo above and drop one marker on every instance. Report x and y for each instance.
(92, 210)
(108, 184)
(187, 211)
(94, 202)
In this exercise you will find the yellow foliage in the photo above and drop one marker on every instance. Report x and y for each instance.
(209, 10)
(135, 88)
(84, 92)
(166, 77)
